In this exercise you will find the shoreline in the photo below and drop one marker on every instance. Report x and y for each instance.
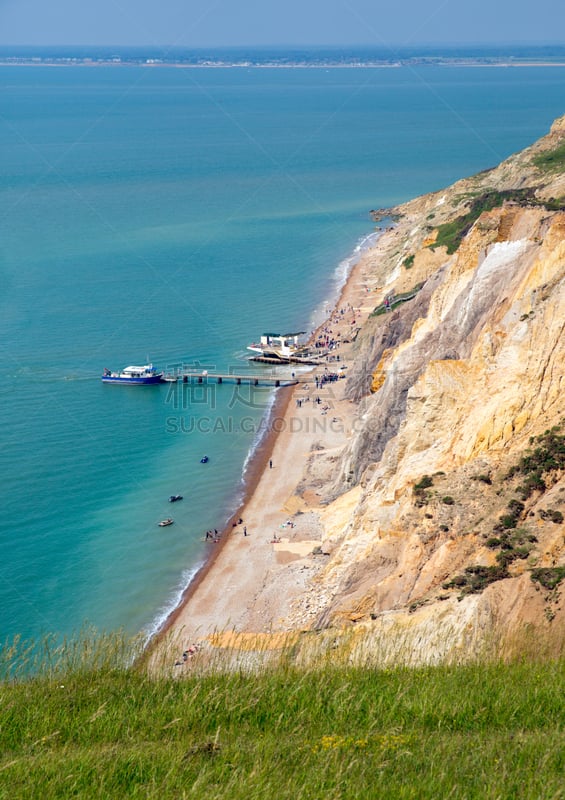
(250, 582)
(256, 466)
(260, 456)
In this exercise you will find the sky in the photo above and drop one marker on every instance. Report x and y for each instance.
(208, 23)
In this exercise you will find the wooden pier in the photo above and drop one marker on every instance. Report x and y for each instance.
(206, 377)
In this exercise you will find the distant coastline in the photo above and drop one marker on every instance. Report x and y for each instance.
(156, 63)
(304, 58)
(220, 65)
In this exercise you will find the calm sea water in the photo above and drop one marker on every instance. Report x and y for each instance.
(174, 215)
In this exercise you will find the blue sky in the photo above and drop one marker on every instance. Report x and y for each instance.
(192, 23)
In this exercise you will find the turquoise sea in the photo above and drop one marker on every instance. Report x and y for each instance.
(175, 214)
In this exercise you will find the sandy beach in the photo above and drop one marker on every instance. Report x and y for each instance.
(261, 565)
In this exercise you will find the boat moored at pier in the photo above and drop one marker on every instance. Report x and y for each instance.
(278, 347)
(134, 376)
(283, 348)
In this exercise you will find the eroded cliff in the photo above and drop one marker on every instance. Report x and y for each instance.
(435, 531)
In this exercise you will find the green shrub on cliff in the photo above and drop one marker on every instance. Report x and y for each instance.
(547, 456)
(551, 160)
(424, 483)
(450, 234)
(549, 577)
(477, 577)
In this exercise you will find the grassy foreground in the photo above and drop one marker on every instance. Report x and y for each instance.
(478, 731)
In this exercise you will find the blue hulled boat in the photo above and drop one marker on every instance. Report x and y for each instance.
(135, 376)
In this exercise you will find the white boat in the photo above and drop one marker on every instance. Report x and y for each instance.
(135, 376)
(281, 347)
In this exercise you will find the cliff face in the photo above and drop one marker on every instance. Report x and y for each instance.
(455, 385)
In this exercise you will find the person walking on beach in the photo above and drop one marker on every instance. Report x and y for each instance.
(245, 530)
(270, 463)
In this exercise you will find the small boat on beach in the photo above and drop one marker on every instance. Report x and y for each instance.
(134, 376)
(174, 498)
(165, 522)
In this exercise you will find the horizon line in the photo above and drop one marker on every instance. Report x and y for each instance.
(372, 45)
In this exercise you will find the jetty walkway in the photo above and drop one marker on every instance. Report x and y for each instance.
(205, 376)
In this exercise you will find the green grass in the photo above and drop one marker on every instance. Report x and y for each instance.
(451, 234)
(478, 731)
(551, 160)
